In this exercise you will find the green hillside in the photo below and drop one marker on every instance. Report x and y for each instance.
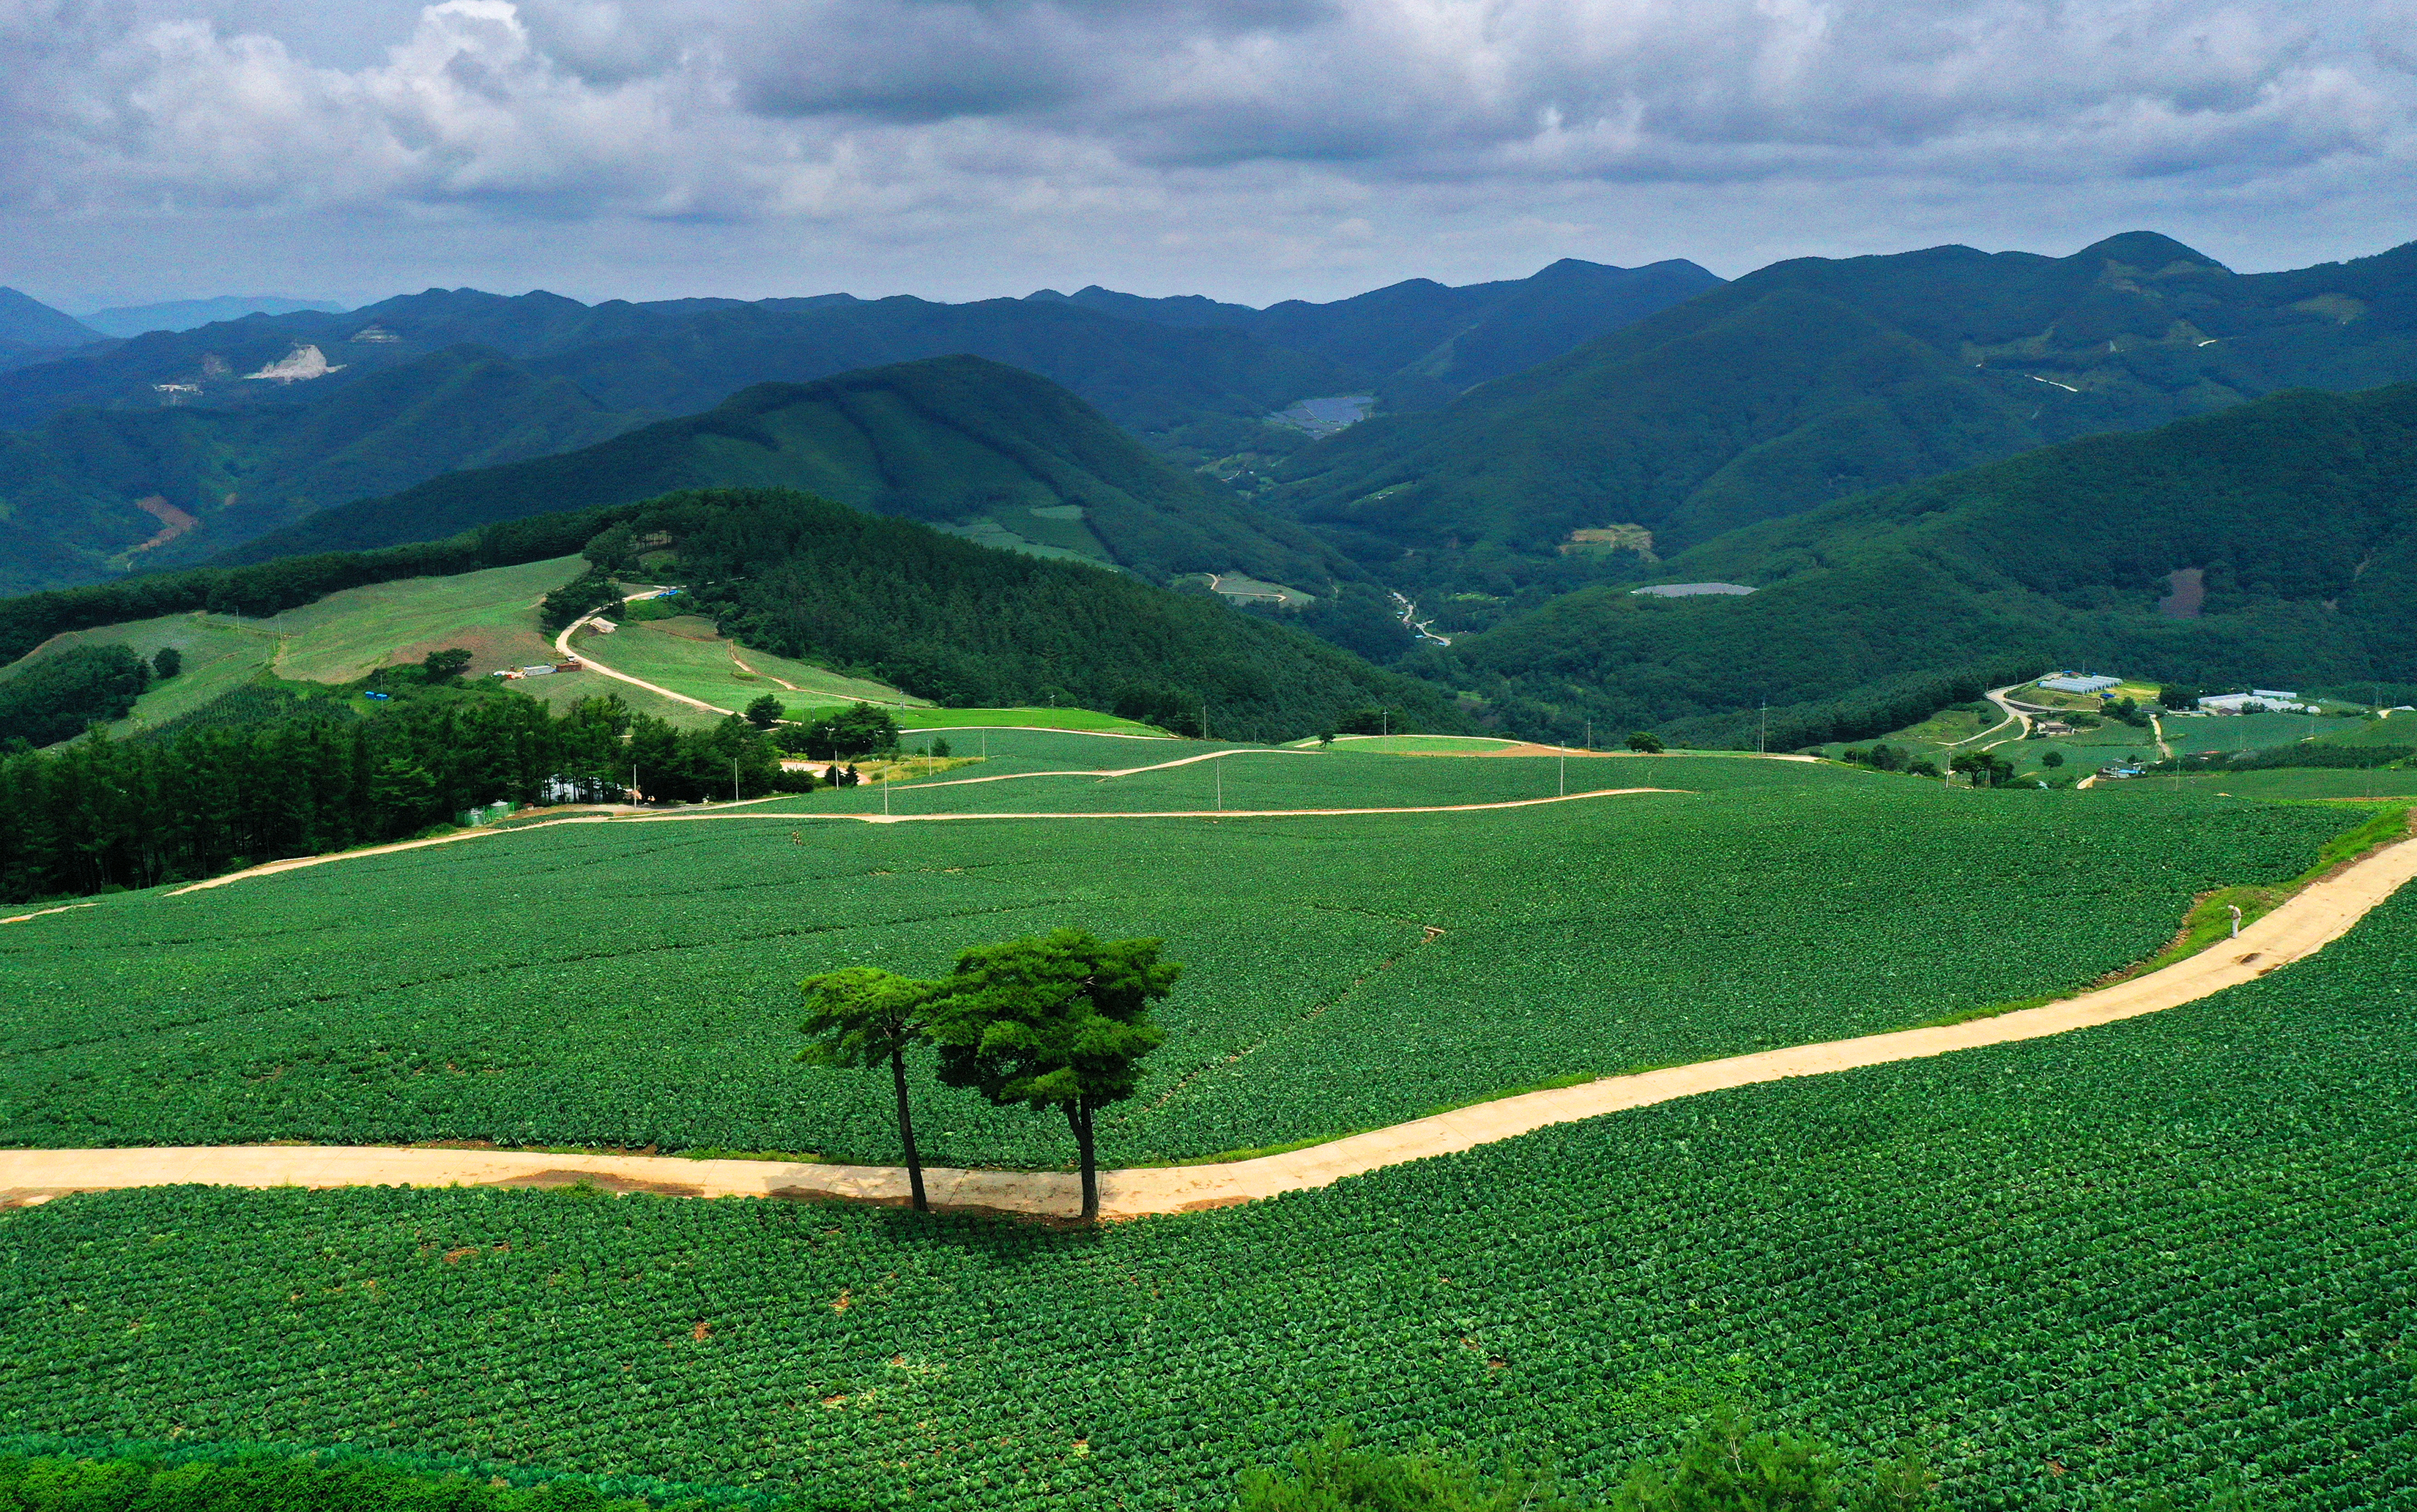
(969, 626)
(1813, 379)
(453, 380)
(779, 573)
(93, 492)
(2297, 514)
(345, 636)
(957, 442)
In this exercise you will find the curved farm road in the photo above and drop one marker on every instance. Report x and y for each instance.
(606, 813)
(2318, 916)
(562, 648)
(2021, 722)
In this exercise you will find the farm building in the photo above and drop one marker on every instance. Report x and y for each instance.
(544, 669)
(2070, 682)
(2269, 698)
(1691, 590)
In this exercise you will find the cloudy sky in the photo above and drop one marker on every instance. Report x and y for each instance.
(1249, 149)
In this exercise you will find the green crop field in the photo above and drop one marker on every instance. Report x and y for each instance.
(347, 635)
(1416, 745)
(2156, 1257)
(2288, 782)
(2246, 731)
(219, 655)
(939, 718)
(635, 984)
(490, 614)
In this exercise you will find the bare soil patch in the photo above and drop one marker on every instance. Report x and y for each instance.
(172, 520)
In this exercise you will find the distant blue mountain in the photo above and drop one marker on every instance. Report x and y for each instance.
(26, 323)
(187, 314)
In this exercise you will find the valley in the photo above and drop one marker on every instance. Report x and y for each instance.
(818, 905)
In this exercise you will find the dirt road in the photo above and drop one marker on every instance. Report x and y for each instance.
(2319, 915)
(562, 648)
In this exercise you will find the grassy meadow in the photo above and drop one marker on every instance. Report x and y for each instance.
(684, 654)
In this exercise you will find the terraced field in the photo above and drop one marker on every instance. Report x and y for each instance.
(2158, 1257)
(634, 984)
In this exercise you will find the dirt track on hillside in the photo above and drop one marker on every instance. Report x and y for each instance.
(2318, 916)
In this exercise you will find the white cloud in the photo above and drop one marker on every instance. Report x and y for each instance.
(1262, 128)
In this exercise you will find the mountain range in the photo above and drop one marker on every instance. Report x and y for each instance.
(969, 444)
(1929, 465)
(1422, 342)
(185, 314)
(31, 331)
(2272, 544)
(1815, 379)
(157, 450)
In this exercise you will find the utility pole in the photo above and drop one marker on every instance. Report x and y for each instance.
(1221, 785)
(1589, 737)
(1762, 739)
(734, 779)
(1565, 771)
(1204, 718)
(1385, 721)
(633, 782)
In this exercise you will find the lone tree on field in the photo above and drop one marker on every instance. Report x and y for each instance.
(1060, 1020)
(1987, 771)
(169, 662)
(1645, 741)
(445, 665)
(766, 711)
(860, 1018)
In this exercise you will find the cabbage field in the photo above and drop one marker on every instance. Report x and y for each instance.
(2153, 1257)
(635, 984)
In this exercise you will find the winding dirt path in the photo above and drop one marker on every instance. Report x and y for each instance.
(2321, 914)
(1164, 814)
(632, 814)
(562, 648)
(2021, 722)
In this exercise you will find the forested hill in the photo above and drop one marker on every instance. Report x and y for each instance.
(166, 449)
(956, 441)
(937, 614)
(27, 325)
(1812, 379)
(1418, 342)
(951, 621)
(679, 355)
(2297, 515)
(92, 493)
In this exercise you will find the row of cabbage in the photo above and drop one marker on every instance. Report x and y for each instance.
(636, 984)
(2153, 1257)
